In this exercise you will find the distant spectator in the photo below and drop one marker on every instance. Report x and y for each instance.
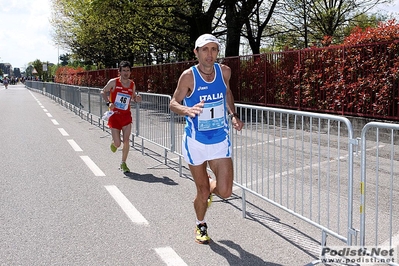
(5, 82)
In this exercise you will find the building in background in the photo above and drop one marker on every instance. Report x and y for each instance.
(7, 70)
(17, 72)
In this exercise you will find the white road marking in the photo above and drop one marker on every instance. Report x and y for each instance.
(49, 115)
(63, 132)
(93, 167)
(74, 145)
(44, 109)
(54, 122)
(170, 257)
(126, 205)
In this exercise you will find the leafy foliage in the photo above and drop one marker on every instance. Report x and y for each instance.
(302, 23)
(359, 77)
(38, 65)
(68, 75)
(104, 32)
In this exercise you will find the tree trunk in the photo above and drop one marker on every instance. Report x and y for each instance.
(234, 26)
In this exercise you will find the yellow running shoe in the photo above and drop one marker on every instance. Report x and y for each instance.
(124, 168)
(113, 147)
(210, 200)
(210, 195)
(201, 234)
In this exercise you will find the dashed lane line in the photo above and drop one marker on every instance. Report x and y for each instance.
(93, 167)
(74, 145)
(169, 256)
(63, 132)
(134, 215)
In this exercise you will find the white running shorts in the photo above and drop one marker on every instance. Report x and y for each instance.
(196, 153)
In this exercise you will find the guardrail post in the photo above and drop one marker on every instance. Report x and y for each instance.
(172, 132)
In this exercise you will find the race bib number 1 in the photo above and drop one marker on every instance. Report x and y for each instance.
(122, 101)
(212, 116)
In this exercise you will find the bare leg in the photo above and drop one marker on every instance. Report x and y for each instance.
(201, 180)
(222, 186)
(116, 137)
(126, 131)
(223, 170)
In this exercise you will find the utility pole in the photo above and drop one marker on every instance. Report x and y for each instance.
(58, 62)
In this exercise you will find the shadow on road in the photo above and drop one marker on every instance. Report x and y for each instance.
(149, 178)
(242, 258)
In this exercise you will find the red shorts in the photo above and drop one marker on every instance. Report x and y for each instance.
(119, 120)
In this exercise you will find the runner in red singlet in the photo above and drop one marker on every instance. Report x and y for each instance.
(117, 94)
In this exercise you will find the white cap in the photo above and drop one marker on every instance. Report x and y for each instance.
(205, 39)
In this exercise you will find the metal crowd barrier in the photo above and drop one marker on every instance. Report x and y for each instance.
(300, 162)
(305, 163)
(379, 209)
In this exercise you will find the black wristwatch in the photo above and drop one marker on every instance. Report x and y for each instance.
(234, 115)
(108, 103)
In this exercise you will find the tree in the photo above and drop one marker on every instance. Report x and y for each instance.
(92, 30)
(172, 26)
(103, 32)
(256, 23)
(148, 29)
(237, 13)
(64, 59)
(311, 21)
(38, 65)
(363, 22)
(164, 35)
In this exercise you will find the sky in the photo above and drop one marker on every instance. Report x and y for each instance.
(27, 33)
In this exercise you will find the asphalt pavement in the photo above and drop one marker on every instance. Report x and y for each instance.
(65, 202)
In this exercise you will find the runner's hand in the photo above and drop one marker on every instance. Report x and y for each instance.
(237, 123)
(196, 109)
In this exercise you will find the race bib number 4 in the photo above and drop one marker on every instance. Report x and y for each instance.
(122, 101)
(212, 116)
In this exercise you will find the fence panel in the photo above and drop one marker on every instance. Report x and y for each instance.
(379, 208)
(301, 162)
(154, 121)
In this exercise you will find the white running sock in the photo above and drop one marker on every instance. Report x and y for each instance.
(200, 222)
